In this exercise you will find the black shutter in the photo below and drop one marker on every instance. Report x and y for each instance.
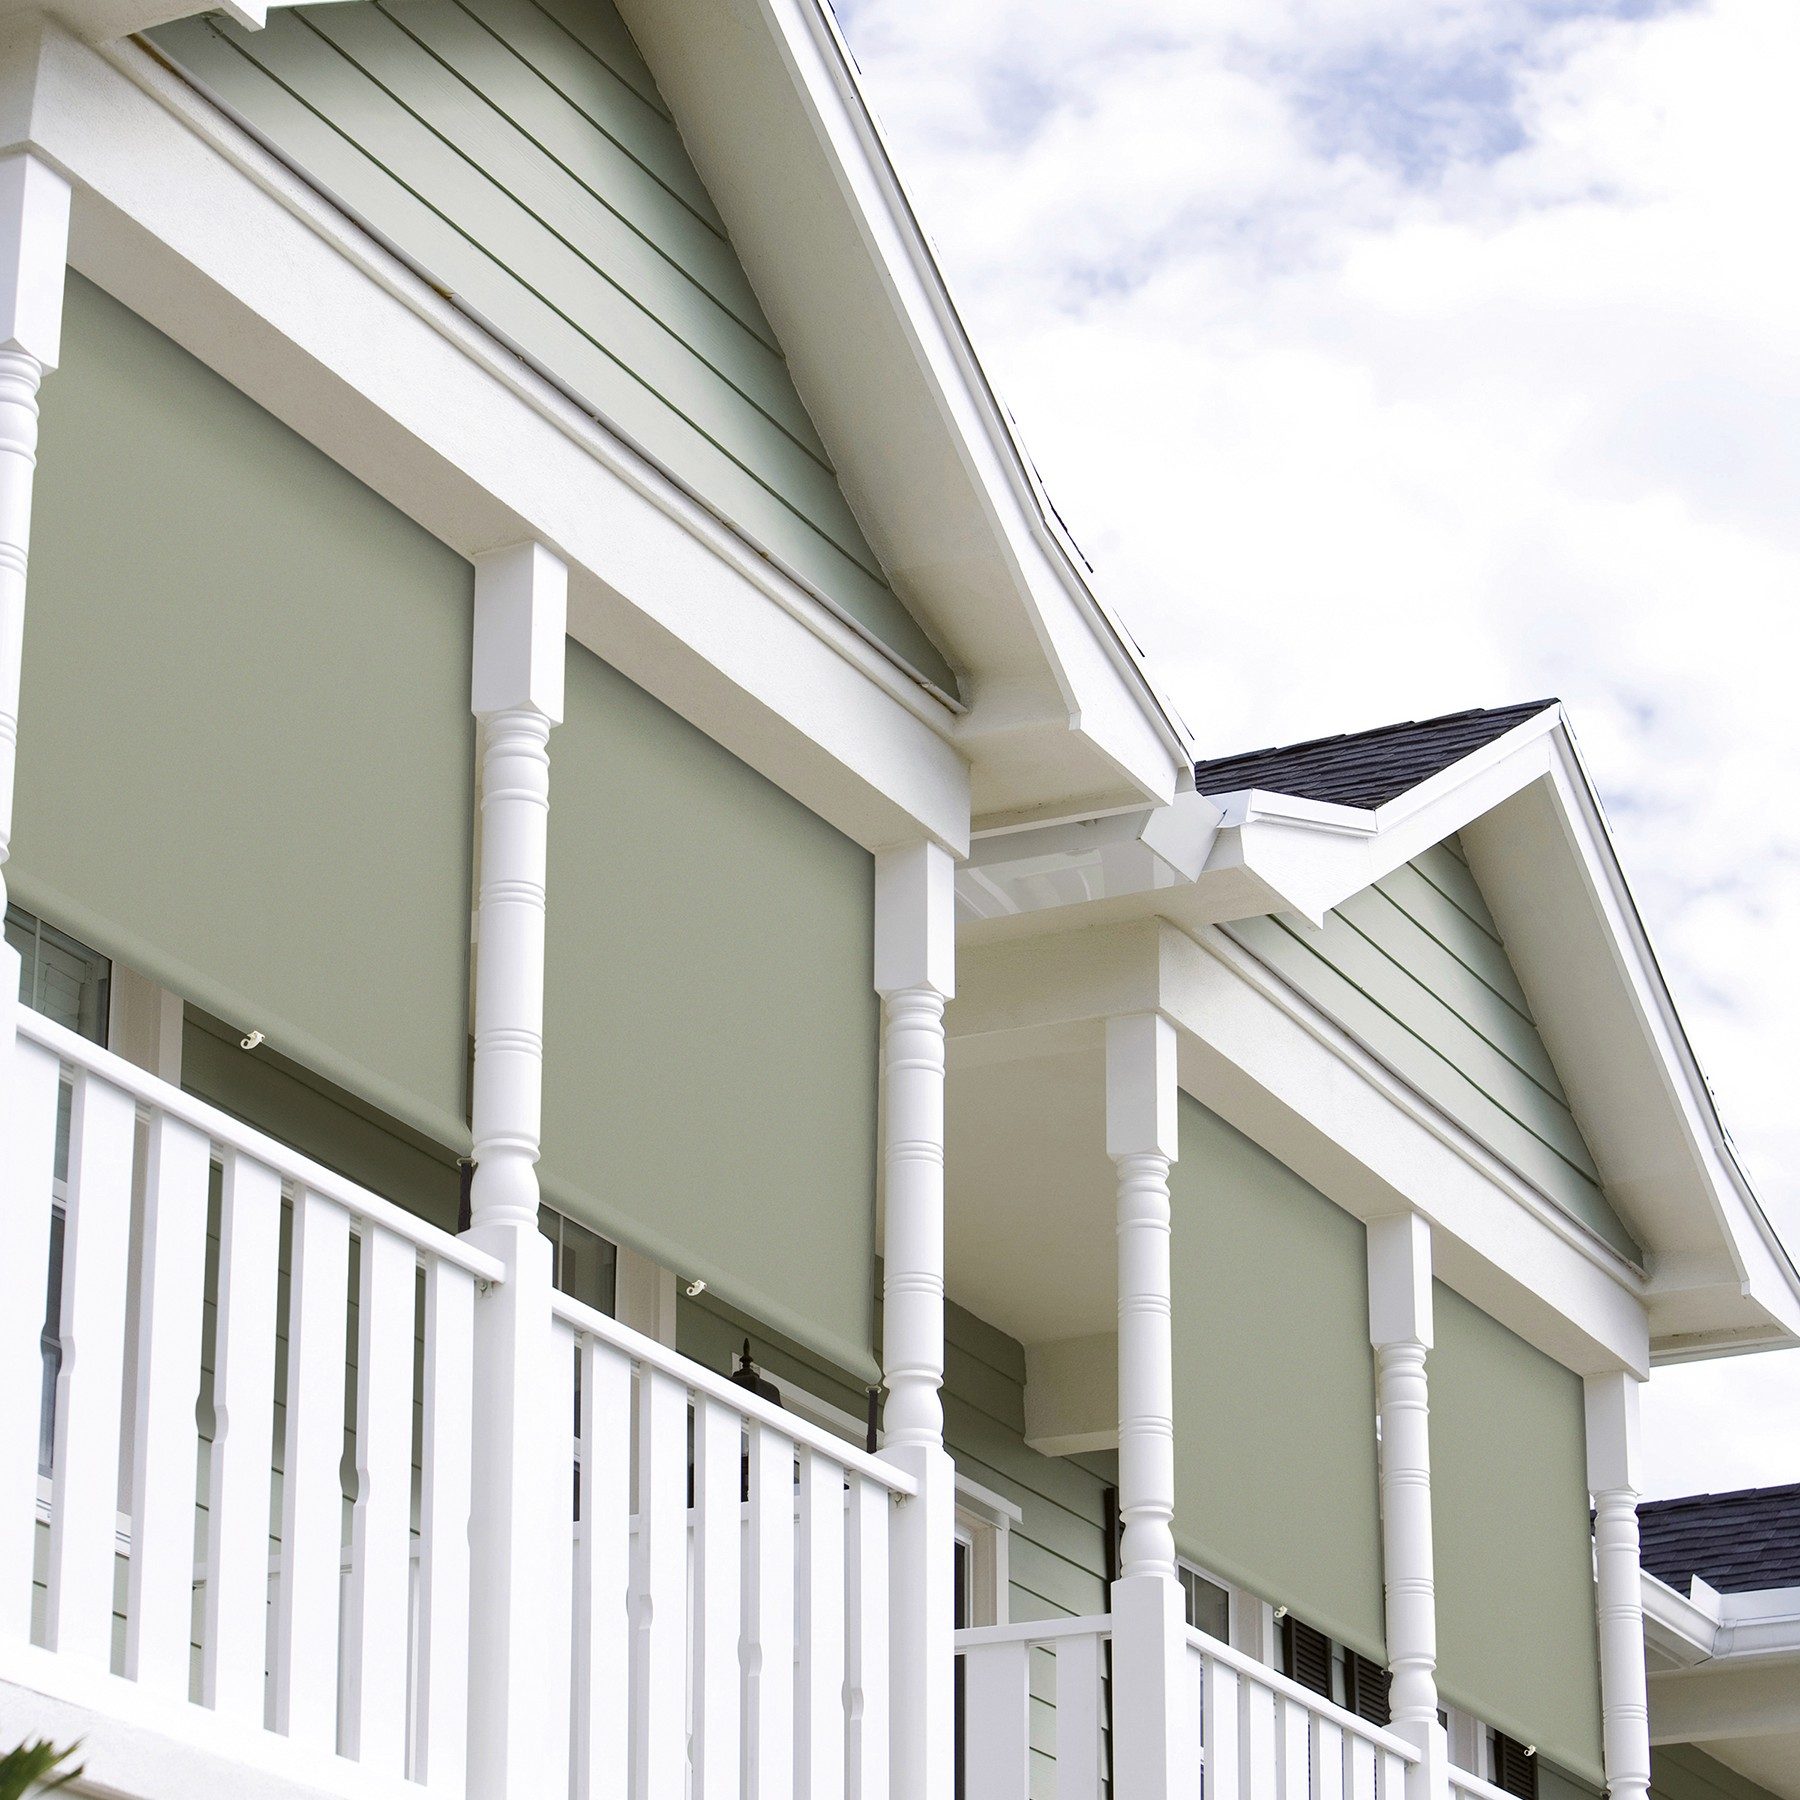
(1368, 1683)
(1306, 1656)
(1515, 1768)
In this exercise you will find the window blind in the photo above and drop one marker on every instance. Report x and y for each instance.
(1275, 1451)
(1518, 1644)
(710, 1027)
(245, 753)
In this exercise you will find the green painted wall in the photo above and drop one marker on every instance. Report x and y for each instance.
(1682, 1772)
(520, 156)
(1058, 1550)
(1415, 968)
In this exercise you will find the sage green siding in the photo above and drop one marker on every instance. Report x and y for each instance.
(520, 157)
(1518, 1642)
(246, 761)
(1276, 1486)
(1415, 968)
(1682, 1772)
(1058, 1548)
(710, 1022)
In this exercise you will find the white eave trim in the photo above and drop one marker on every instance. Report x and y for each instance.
(1028, 490)
(1705, 1626)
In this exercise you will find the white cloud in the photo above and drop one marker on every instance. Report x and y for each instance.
(1392, 356)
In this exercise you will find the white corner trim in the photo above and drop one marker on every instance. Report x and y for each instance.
(1252, 806)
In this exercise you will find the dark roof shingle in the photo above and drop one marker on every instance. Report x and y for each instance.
(1734, 1542)
(1365, 768)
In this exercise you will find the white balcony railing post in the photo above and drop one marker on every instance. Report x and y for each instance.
(34, 236)
(1400, 1328)
(1150, 1729)
(915, 975)
(516, 1513)
(1612, 1455)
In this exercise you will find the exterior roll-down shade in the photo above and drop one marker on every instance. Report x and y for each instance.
(1518, 1643)
(710, 1025)
(246, 761)
(1274, 1384)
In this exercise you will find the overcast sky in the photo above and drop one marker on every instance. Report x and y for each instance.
(1389, 357)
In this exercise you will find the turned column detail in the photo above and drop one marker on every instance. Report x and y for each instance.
(1612, 1451)
(1400, 1329)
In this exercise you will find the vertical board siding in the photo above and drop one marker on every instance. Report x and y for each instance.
(520, 157)
(1057, 1551)
(1416, 969)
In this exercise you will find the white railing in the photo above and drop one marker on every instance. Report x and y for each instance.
(996, 1665)
(727, 1574)
(1261, 1735)
(1471, 1787)
(244, 1338)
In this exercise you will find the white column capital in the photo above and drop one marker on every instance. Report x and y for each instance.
(1141, 1089)
(1400, 1309)
(1614, 1432)
(34, 253)
(915, 919)
(521, 622)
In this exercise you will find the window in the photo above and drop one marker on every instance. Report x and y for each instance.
(59, 976)
(1206, 1602)
(583, 1264)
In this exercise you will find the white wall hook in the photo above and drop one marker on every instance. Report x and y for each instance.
(250, 1043)
(695, 1289)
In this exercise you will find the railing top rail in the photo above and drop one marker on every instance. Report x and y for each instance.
(153, 1091)
(1462, 1782)
(1262, 1674)
(1034, 1631)
(703, 1381)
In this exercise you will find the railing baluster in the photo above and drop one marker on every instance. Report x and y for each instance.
(89, 1393)
(769, 1616)
(171, 1312)
(381, 1521)
(1362, 1770)
(997, 1699)
(442, 1690)
(659, 1661)
(870, 1723)
(820, 1697)
(1220, 1714)
(718, 1607)
(1080, 1744)
(1327, 1758)
(234, 1638)
(29, 1146)
(1390, 1775)
(1294, 1748)
(1257, 1747)
(559, 1565)
(306, 1658)
(603, 1575)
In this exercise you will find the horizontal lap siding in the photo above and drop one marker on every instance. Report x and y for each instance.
(1057, 1551)
(1415, 968)
(519, 156)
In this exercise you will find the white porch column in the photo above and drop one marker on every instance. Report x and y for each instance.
(34, 248)
(1149, 1739)
(915, 959)
(518, 1502)
(1612, 1455)
(1400, 1328)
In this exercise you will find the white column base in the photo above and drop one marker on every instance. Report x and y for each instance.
(1429, 1777)
(922, 1560)
(1155, 1740)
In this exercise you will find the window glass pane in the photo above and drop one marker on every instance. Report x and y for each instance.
(1208, 1605)
(59, 976)
(583, 1265)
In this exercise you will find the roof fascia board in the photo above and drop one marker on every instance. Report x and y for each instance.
(182, 216)
(1087, 675)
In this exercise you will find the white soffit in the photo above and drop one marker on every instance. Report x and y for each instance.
(773, 113)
